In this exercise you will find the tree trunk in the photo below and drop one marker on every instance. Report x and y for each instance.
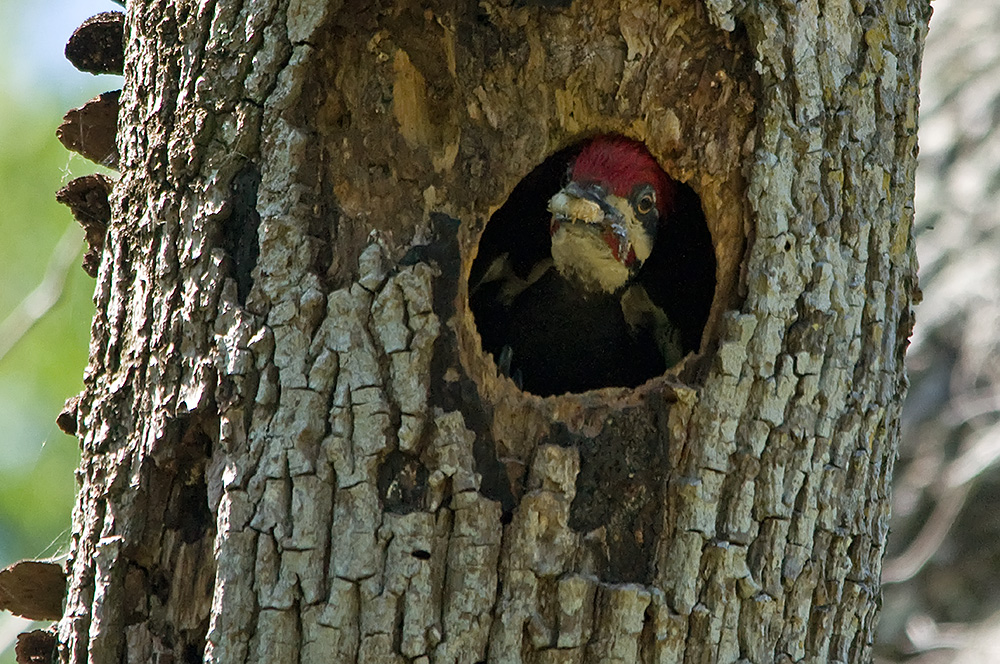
(294, 448)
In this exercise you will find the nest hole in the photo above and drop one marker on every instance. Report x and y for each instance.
(551, 341)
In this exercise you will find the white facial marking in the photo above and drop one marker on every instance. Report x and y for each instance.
(578, 248)
(580, 254)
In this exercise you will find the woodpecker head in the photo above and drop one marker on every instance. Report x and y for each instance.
(604, 221)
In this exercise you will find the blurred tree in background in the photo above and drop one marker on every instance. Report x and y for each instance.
(40, 239)
(942, 570)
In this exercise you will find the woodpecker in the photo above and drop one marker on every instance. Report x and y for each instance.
(566, 291)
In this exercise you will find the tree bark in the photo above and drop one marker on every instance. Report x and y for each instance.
(294, 448)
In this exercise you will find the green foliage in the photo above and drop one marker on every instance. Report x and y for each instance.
(37, 460)
(46, 366)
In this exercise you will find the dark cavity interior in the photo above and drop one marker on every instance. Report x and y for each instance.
(535, 344)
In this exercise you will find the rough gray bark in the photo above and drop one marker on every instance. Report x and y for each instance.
(294, 448)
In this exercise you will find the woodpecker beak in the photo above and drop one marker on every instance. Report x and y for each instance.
(589, 209)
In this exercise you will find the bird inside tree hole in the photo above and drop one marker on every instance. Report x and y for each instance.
(598, 271)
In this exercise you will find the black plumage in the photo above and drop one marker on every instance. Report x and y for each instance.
(562, 339)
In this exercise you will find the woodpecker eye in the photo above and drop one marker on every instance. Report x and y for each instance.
(646, 203)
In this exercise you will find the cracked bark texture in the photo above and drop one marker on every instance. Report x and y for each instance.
(294, 449)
